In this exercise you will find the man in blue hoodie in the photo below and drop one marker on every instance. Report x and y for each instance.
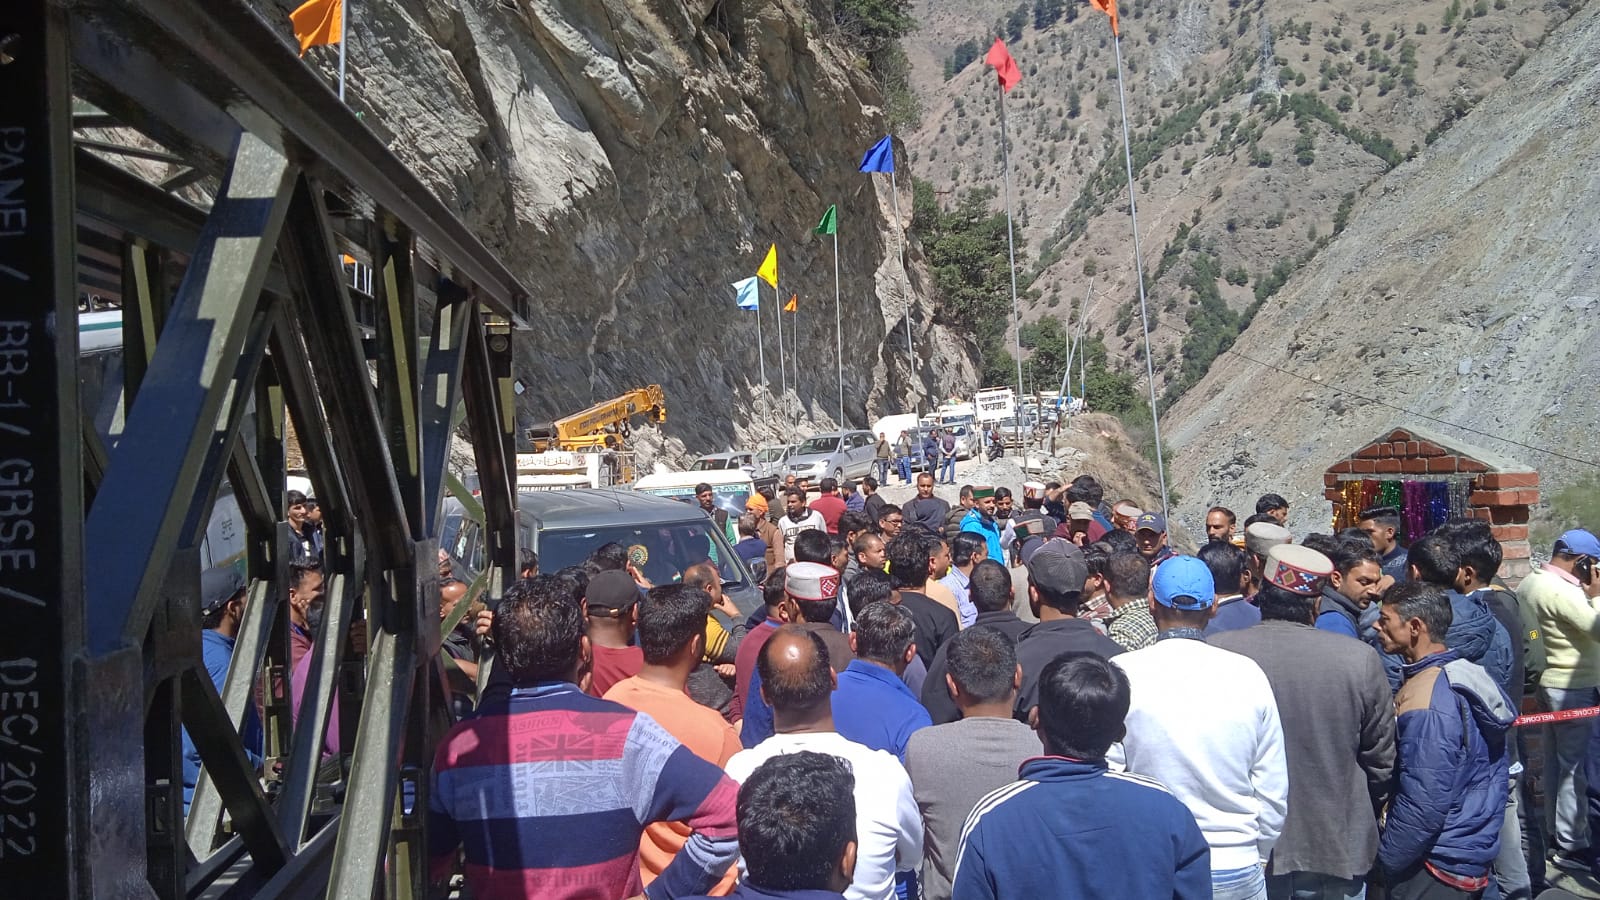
(980, 520)
(1475, 634)
(1442, 832)
(1072, 828)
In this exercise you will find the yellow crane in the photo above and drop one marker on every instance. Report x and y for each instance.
(603, 426)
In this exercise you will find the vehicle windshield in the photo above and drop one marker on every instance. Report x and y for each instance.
(730, 497)
(713, 464)
(820, 444)
(661, 552)
(771, 454)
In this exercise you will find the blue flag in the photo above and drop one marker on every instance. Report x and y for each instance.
(749, 296)
(881, 157)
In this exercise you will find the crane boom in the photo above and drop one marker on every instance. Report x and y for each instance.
(588, 430)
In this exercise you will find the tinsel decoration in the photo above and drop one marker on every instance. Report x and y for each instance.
(1350, 506)
(1460, 499)
(1389, 494)
(1438, 503)
(1369, 494)
(1414, 510)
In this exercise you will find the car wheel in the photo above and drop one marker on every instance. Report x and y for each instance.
(838, 474)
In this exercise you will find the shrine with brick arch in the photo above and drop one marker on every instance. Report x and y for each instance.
(1432, 478)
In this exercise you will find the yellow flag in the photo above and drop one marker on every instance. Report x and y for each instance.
(769, 269)
(318, 22)
(793, 304)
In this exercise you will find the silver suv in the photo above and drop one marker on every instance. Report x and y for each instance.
(845, 454)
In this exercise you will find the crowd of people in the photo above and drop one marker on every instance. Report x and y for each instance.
(1322, 715)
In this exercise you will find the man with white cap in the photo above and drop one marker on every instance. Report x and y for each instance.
(1203, 722)
(1338, 727)
(1259, 537)
(1554, 601)
(810, 595)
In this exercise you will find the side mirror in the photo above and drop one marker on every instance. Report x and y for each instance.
(758, 571)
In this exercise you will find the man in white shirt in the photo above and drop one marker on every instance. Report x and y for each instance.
(797, 681)
(799, 517)
(1204, 723)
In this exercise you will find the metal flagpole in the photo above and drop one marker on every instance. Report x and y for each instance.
(1138, 269)
(761, 353)
(838, 323)
(1083, 354)
(344, 41)
(905, 282)
(799, 406)
(1074, 341)
(1011, 250)
(783, 354)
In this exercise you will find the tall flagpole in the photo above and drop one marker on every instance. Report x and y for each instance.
(1138, 269)
(1011, 249)
(799, 406)
(761, 353)
(838, 323)
(783, 353)
(905, 286)
(1083, 350)
(344, 41)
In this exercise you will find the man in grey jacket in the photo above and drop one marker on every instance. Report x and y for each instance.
(1338, 729)
(955, 765)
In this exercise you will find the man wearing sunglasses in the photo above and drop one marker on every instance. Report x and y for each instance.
(1555, 601)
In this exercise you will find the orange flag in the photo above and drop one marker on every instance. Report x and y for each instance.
(318, 22)
(793, 304)
(1004, 65)
(1109, 7)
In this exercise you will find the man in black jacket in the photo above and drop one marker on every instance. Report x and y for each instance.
(908, 567)
(1056, 574)
(989, 588)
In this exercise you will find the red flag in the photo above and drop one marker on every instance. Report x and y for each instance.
(1109, 7)
(1004, 65)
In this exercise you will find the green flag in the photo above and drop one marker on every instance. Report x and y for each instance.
(829, 223)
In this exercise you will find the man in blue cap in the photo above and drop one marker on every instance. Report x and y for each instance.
(1204, 723)
(1555, 600)
(1150, 534)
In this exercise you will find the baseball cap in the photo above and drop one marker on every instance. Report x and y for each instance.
(1058, 565)
(614, 590)
(1183, 582)
(1297, 569)
(1580, 541)
(811, 581)
(1263, 536)
(1151, 522)
(217, 587)
(1080, 511)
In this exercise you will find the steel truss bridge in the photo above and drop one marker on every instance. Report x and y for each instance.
(233, 317)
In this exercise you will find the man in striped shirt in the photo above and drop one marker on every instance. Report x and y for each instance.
(549, 790)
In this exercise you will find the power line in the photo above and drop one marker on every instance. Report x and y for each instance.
(1494, 437)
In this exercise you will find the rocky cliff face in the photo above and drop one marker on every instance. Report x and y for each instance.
(629, 159)
(1461, 296)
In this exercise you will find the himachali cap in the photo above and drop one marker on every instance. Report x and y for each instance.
(1058, 565)
(1183, 582)
(811, 581)
(614, 590)
(1126, 508)
(1297, 569)
(1263, 536)
(978, 493)
(1151, 522)
(1080, 511)
(1033, 488)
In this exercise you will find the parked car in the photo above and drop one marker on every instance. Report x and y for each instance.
(663, 536)
(846, 454)
(713, 462)
(772, 462)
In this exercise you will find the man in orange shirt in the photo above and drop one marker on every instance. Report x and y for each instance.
(672, 621)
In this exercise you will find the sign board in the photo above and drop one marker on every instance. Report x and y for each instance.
(994, 404)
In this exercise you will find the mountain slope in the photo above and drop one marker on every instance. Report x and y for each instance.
(1254, 125)
(1463, 290)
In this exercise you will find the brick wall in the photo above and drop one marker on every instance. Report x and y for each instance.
(1500, 497)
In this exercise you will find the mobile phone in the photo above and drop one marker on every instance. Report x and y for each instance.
(1584, 569)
